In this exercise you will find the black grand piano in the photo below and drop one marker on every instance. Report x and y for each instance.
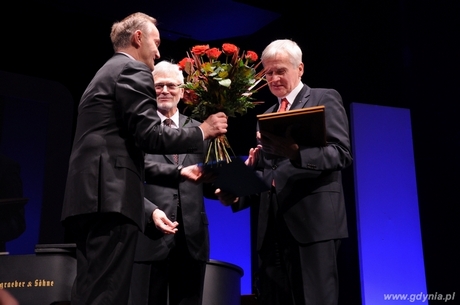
(43, 278)
(46, 277)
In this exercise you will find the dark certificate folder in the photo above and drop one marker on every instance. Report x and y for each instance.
(237, 178)
(306, 126)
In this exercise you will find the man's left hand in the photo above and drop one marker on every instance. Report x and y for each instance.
(195, 173)
(226, 198)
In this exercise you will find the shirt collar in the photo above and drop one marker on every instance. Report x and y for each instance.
(124, 53)
(174, 118)
(292, 95)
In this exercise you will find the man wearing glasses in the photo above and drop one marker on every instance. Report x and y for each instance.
(170, 263)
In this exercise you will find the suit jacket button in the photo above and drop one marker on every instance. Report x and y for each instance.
(274, 166)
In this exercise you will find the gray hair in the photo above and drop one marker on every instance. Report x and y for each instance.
(283, 46)
(168, 68)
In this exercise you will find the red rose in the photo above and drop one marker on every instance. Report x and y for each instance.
(229, 49)
(182, 64)
(251, 56)
(200, 49)
(213, 53)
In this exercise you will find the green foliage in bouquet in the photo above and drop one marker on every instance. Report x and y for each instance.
(212, 86)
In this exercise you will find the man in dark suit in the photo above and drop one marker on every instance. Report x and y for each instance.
(117, 122)
(169, 266)
(302, 218)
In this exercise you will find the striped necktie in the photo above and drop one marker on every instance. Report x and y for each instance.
(168, 122)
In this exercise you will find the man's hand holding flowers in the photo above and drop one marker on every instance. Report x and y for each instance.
(215, 125)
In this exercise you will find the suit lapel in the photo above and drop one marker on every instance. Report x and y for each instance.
(170, 157)
(182, 120)
(302, 98)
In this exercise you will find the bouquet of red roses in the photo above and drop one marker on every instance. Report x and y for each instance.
(213, 85)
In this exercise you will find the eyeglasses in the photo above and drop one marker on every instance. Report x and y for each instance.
(171, 86)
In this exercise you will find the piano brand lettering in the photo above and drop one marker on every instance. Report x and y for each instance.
(15, 284)
(27, 284)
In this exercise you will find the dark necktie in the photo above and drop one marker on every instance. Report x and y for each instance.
(168, 122)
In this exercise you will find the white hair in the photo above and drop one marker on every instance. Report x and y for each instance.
(167, 68)
(283, 46)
